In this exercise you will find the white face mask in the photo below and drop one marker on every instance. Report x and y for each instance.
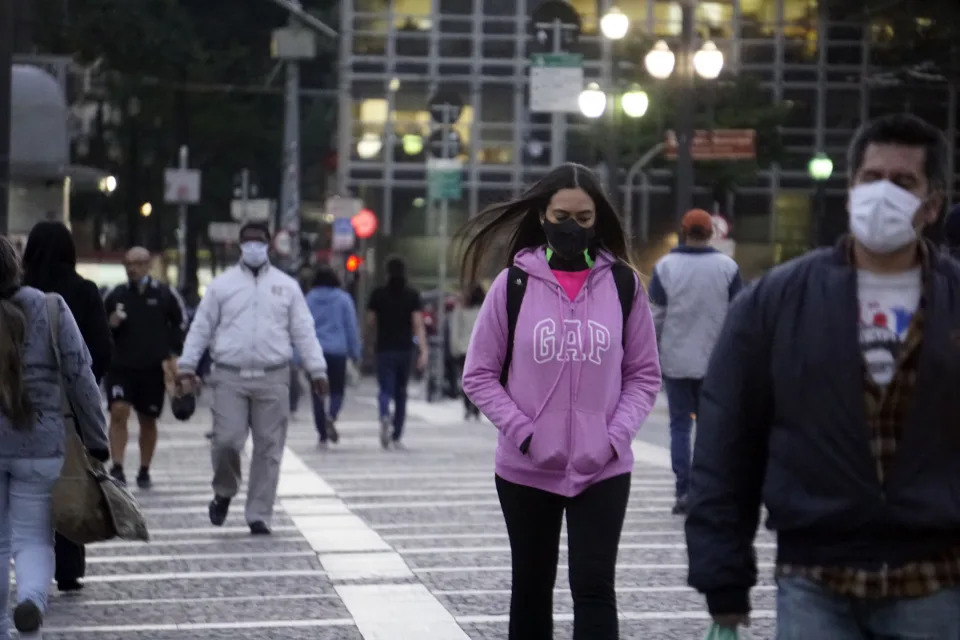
(253, 254)
(881, 216)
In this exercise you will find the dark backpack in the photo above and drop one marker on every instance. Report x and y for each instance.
(623, 277)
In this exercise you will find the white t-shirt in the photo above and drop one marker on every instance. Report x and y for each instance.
(887, 305)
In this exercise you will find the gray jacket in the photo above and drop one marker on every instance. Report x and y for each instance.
(43, 380)
(690, 293)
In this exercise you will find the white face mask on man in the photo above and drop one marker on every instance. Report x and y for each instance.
(882, 214)
(253, 253)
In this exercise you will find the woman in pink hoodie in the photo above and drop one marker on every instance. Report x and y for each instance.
(568, 393)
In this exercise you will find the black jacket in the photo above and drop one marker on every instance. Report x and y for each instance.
(86, 305)
(154, 328)
(782, 421)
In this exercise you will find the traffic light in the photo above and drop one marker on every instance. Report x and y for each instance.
(353, 263)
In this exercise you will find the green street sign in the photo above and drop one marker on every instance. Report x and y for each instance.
(557, 60)
(444, 179)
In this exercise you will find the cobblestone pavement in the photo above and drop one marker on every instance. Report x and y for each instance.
(368, 544)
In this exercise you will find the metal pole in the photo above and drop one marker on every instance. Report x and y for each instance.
(182, 226)
(290, 188)
(685, 113)
(635, 169)
(443, 232)
(245, 193)
(612, 161)
(819, 214)
(558, 121)
(6, 90)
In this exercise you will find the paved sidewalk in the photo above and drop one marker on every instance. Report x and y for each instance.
(398, 545)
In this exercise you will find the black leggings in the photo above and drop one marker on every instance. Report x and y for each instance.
(594, 520)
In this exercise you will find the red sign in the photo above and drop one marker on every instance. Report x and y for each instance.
(719, 144)
(364, 223)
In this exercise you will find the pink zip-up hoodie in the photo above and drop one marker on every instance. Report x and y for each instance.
(572, 385)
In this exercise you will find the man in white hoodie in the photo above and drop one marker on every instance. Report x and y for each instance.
(249, 318)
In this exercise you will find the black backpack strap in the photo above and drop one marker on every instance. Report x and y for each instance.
(516, 287)
(626, 280)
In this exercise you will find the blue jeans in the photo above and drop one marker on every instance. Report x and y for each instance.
(337, 377)
(393, 376)
(805, 610)
(26, 529)
(683, 395)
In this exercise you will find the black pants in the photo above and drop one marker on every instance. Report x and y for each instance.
(594, 520)
(469, 407)
(71, 560)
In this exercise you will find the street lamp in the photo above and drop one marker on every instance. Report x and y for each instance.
(614, 24)
(146, 209)
(820, 167)
(107, 185)
(592, 101)
(708, 61)
(660, 61)
(412, 144)
(635, 102)
(369, 146)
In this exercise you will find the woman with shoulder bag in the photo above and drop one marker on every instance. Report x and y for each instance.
(564, 362)
(50, 265)
(32, 434)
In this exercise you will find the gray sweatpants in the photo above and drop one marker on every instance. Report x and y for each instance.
(259, 405)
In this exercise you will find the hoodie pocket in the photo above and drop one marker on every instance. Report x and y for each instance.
(592, 449)
(550, 445)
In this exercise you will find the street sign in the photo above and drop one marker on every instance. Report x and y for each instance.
(343, 207)
(225, 232)
(556, 80)
(283, 243)
(181, 186)
(343, 236)
(364, 223)
(719, 144)
(444, 178)
(256, 210)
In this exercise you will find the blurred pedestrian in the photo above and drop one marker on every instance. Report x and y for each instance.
(395, 315)
(32, 434)
(50, 262)
(564, 362)
(462, 320)
(832, 398)
(335, 319)
(252, 317)
(690, 292)
(148, 320)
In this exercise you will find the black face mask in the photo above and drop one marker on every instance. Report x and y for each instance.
(568, 239)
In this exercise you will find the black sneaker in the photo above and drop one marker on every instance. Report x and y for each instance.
(69, 585)
(143, 479)
(259, 528)
(117, 473)
(680, 507)
(27, 617)
(218, 510)
(332, 432)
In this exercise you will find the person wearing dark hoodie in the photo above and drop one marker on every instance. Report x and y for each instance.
(395, 314)
(335, 319)
(951, 232)
(567, 377)
(50, 265)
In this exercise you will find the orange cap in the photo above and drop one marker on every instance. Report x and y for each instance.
(697, 218)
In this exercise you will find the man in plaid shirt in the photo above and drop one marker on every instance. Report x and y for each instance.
(833, 397)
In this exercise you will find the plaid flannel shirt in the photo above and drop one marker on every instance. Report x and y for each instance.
(885, 411)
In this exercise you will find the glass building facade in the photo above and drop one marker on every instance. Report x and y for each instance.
(396, 54)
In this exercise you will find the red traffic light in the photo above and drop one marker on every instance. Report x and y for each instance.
(353, 263)
(364, 223)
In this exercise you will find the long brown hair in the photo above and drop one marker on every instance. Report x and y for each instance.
(519, 220)
(14, 402)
